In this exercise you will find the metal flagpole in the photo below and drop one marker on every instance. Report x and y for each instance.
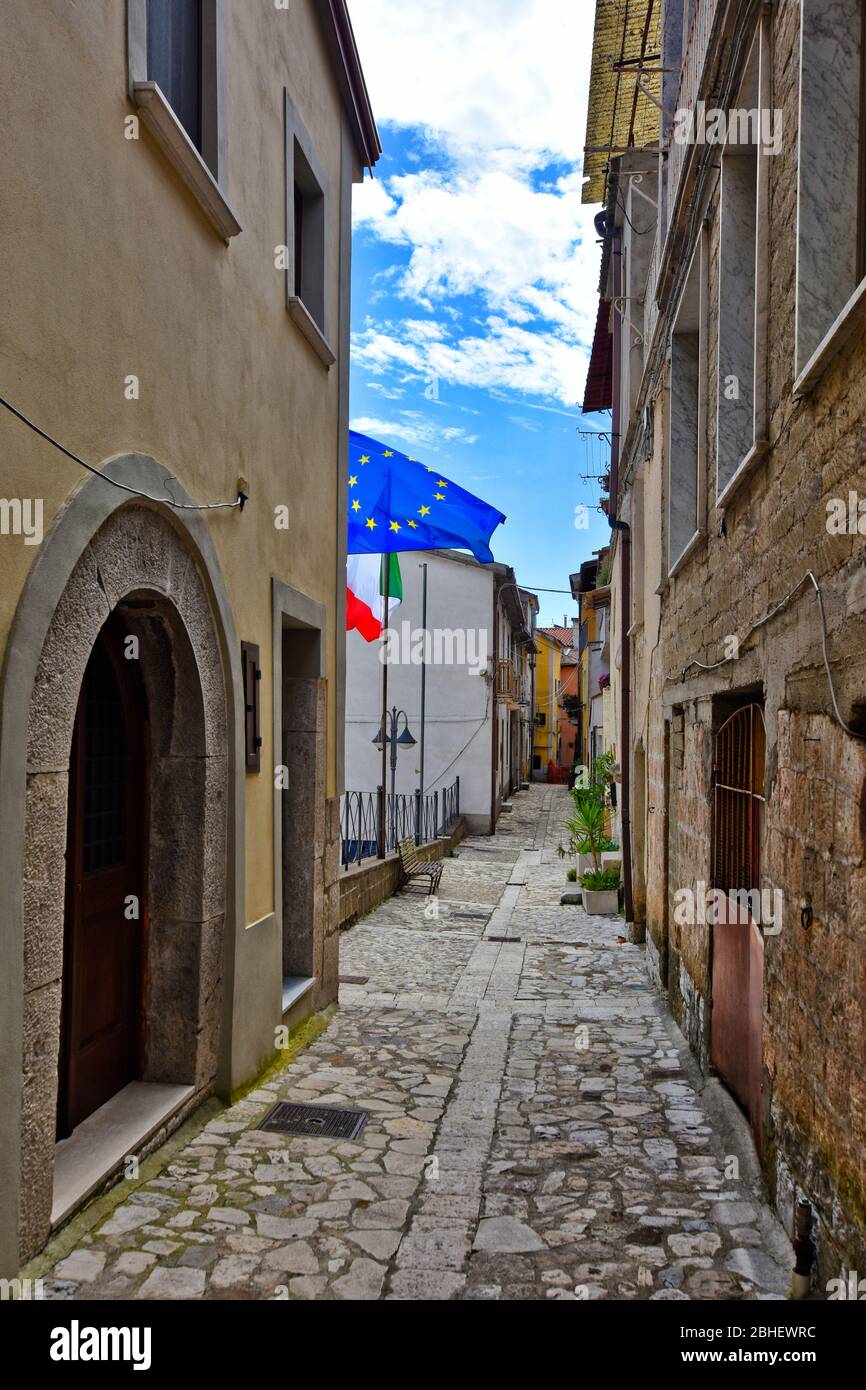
(383, 808)
(423, 691)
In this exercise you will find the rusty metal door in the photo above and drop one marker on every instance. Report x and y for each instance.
(738, 945)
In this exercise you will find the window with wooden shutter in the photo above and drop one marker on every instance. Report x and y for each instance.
(252, 679)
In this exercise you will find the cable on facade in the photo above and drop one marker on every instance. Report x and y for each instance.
(714, 665)
(97, 473)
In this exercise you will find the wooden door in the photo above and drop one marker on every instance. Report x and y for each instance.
(738, 946)
(102, 1014)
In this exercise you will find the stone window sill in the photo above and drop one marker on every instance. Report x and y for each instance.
(300, 315)
(294, 988)
(757, 451)
(685, 554)
(852, 318)
(176, 145)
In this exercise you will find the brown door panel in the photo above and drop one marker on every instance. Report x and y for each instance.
(102, 968)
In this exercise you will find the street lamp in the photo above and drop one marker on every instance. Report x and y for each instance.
(395, 740)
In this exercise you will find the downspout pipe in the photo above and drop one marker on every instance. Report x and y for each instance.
(625, 586)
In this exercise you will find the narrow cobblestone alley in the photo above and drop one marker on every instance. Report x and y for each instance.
(534, 1126)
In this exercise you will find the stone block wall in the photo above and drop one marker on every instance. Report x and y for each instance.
(757, 548)
(815, 982)
(366, 886)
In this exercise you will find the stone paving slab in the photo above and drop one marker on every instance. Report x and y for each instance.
(535, 1128)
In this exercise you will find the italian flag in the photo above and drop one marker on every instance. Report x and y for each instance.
(365, 593)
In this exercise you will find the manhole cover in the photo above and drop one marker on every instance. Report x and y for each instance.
(314, 1121)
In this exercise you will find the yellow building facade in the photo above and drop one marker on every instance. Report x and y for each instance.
(176, 249)
(548, 689)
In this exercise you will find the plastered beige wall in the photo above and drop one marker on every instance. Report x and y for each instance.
(110, 268)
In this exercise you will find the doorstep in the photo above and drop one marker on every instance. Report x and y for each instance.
(97, 1147)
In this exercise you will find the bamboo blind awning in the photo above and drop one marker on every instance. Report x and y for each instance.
(620, 115)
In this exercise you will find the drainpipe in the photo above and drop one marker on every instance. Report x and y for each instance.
(625, 586)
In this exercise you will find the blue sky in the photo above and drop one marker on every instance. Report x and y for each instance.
(476, 266)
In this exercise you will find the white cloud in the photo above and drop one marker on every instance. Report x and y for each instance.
(504, 76)
(391, 393)
(414, 429)
(500, 87)
(505, 355)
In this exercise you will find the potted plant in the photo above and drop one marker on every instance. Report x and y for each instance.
(600, 886)
(601, 892)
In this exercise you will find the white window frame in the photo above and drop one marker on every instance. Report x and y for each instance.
(755, 92)
(830, 216)
(203, 172)
(691, 320)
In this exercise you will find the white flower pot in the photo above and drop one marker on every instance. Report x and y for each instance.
(601, 903)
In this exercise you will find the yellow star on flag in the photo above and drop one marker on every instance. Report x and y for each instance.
(389, 454)
(356, 505)
(440, 497)
(395, 526)
(441, 483)
(365, 458)
(353, 482)
(413, 524)
(371, 525)
(423, 511)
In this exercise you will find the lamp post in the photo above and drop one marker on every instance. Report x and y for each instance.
(394, 741)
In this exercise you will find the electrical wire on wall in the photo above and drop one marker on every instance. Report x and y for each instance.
(715, 665)
(97, 472)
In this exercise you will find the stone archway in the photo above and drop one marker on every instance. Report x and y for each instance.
(141, 566)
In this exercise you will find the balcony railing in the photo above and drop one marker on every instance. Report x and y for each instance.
(507, 681)
(408, 815)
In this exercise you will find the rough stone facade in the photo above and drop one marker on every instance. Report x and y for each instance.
(753, 551)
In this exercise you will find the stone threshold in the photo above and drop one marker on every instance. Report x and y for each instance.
(99, 1145)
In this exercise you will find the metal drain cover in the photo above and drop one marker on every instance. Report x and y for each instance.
(314, 1121)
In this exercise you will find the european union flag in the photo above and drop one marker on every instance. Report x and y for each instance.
(396, 503)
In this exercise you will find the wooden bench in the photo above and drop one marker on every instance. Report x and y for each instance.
(413, 867)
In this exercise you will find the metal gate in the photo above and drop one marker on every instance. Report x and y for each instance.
(738, 945)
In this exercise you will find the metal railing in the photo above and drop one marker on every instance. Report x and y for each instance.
(407, 815)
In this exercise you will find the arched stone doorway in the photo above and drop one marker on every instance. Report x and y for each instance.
(139, 573)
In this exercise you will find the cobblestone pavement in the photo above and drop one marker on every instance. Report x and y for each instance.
(535, 1128)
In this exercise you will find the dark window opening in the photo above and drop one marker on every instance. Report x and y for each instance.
(174, 59)
(309, 238)
(299, 241)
